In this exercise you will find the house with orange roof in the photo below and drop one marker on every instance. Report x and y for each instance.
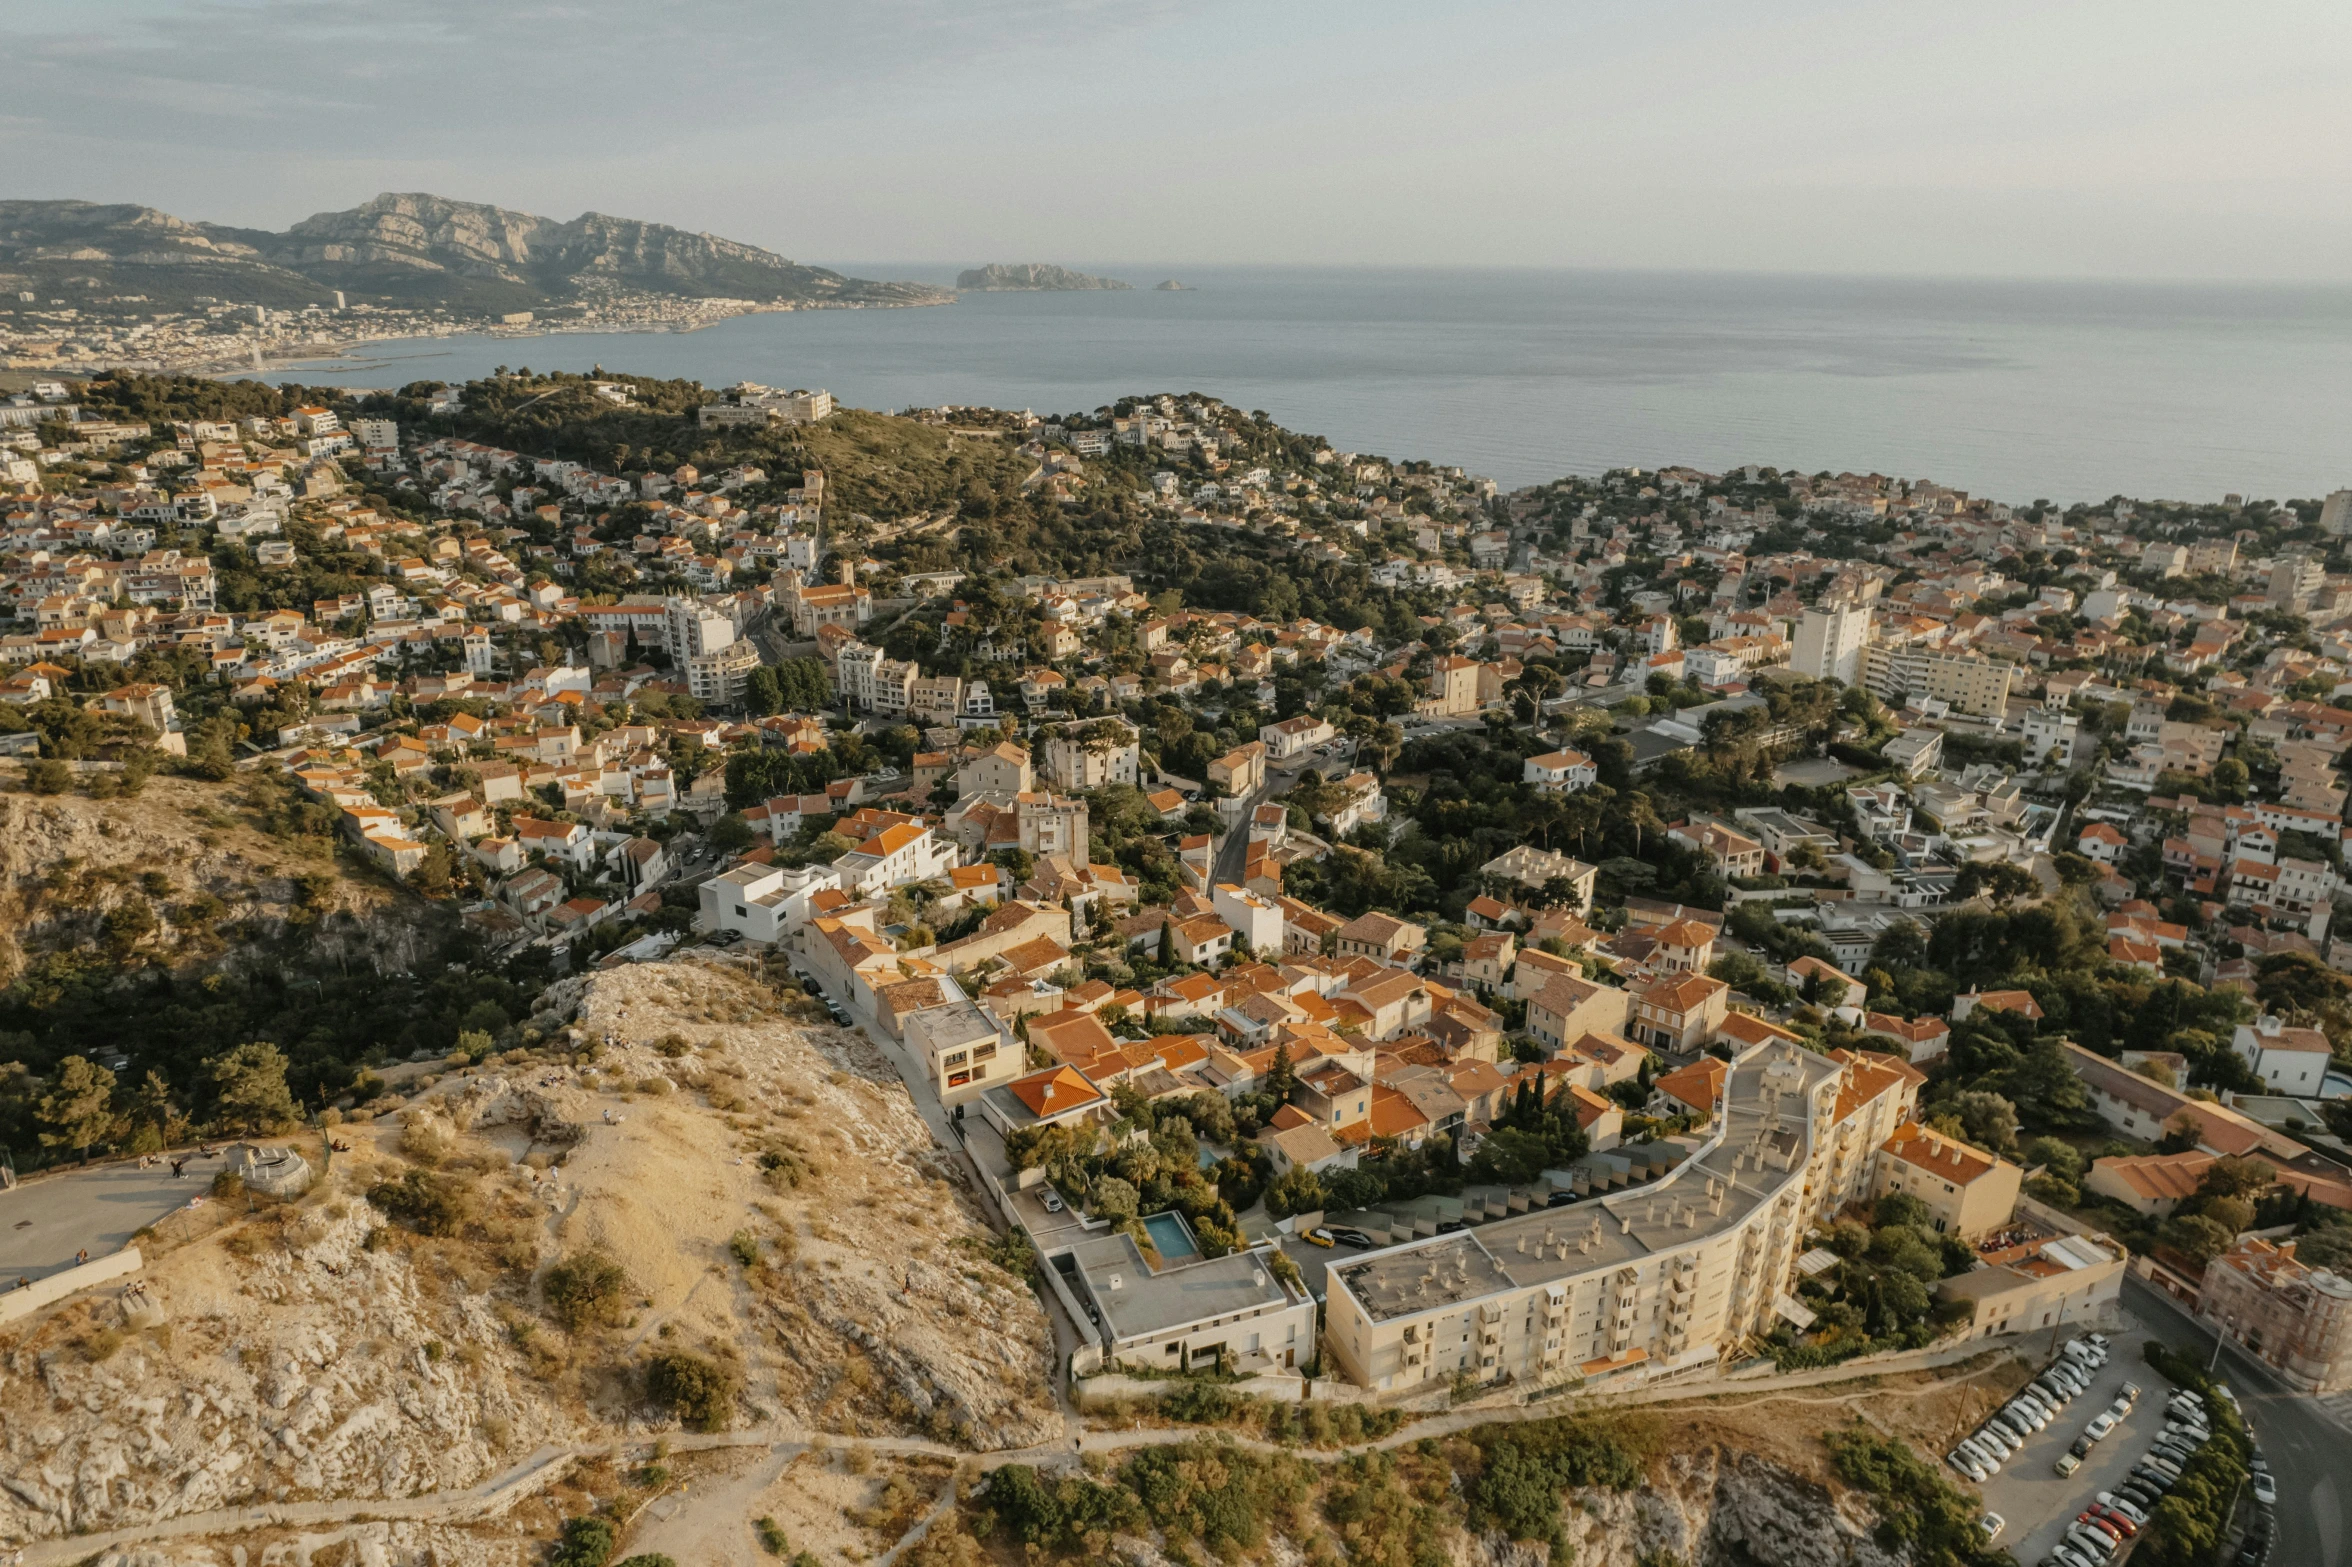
(1049, 1097)
(1072, 1036)
(1678, 1013)
(1693, 1090)
(1392, 1115)
(1567, 1006)
(1744, 1030)
(1968, 1192)
(2101, 842)
(2020, 1002)
(2151, 1185)
(1684, 947)
(1821, 972)
(1915, 1039)
(1186, 995)
(1295, 1140)
(1333, 1092)
(1613, 1057)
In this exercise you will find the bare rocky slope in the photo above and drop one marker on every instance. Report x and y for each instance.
(190, 854)
(320, 1350)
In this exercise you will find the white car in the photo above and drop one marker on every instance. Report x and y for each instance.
(2123, 1505)
(2266, 1490)
(2099, 1427)
(1992, 1524)
(1958, 1458)
(1052, 1201)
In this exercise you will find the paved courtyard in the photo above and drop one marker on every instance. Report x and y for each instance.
(48, 1218)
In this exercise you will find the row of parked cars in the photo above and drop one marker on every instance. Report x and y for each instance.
(2102, 1529)
(2003, 1435)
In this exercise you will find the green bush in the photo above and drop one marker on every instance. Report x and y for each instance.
(1215, 1492)
(698, 1390)
(1919, 1516)
(1525, 1466)
(587, 1290)
(771, 1537)
(586, 1542)
(1059, 1512)
(1389, 1514)
(426, 1202)
(648, 1559)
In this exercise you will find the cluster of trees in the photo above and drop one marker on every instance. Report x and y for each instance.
(2189, 1523)
(1880, 1296)
(1224, 1497)
(319, 1025)
(1523, 1468)
(81, 1106)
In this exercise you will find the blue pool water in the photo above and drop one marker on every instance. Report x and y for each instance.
(1169, 1237)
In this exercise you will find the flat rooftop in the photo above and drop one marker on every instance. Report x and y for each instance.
(1766, 1137)
(1136, 1302)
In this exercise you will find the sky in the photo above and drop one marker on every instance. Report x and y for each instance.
(2100, 138)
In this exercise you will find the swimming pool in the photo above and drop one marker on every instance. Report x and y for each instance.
(1169, 1236)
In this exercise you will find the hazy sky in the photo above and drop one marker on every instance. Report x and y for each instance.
(2124, 138)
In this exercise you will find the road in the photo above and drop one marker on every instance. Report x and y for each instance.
(45, 1219)
(2305, 1446)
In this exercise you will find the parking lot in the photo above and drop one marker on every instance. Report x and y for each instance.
(2037, 1501)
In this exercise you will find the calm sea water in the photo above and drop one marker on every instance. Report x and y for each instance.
(2069, 391)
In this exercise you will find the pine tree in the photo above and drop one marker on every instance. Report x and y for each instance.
(78, 1108)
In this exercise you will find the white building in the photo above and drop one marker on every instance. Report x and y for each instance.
(1560, 772)
(1256, 919)
(764, 902)
(1830, 641)
(2288, 1060)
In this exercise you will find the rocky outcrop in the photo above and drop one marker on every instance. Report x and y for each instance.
(1719, 1508)
(329, 1370)
(1029, 277)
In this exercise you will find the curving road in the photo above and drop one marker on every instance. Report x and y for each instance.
(2305, 1445)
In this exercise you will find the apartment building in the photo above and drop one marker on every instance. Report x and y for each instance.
(2296, 1317)
(1968, 682)
(1829, 643)
(1108, 753)
(1968, 1192)
(1647, 1282)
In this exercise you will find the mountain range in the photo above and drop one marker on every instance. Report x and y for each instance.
(413, 251)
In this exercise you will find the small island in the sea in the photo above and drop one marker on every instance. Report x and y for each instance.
(1029, 276)
(1173, 287)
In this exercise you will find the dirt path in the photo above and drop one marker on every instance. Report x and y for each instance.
(709, 1522)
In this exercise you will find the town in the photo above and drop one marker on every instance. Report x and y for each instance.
(1624, 933)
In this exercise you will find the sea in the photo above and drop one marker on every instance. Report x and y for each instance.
(2062, 391)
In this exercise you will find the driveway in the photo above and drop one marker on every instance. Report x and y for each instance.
(46, 1219)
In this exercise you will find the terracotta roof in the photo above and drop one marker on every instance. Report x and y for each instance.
(1698, 1085)
(1054, 1091)
(2165, 1177)
(1939, 1156)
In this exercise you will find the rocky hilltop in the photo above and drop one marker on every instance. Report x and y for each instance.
(410, 249)
(1036, 277)
(759, 1182)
